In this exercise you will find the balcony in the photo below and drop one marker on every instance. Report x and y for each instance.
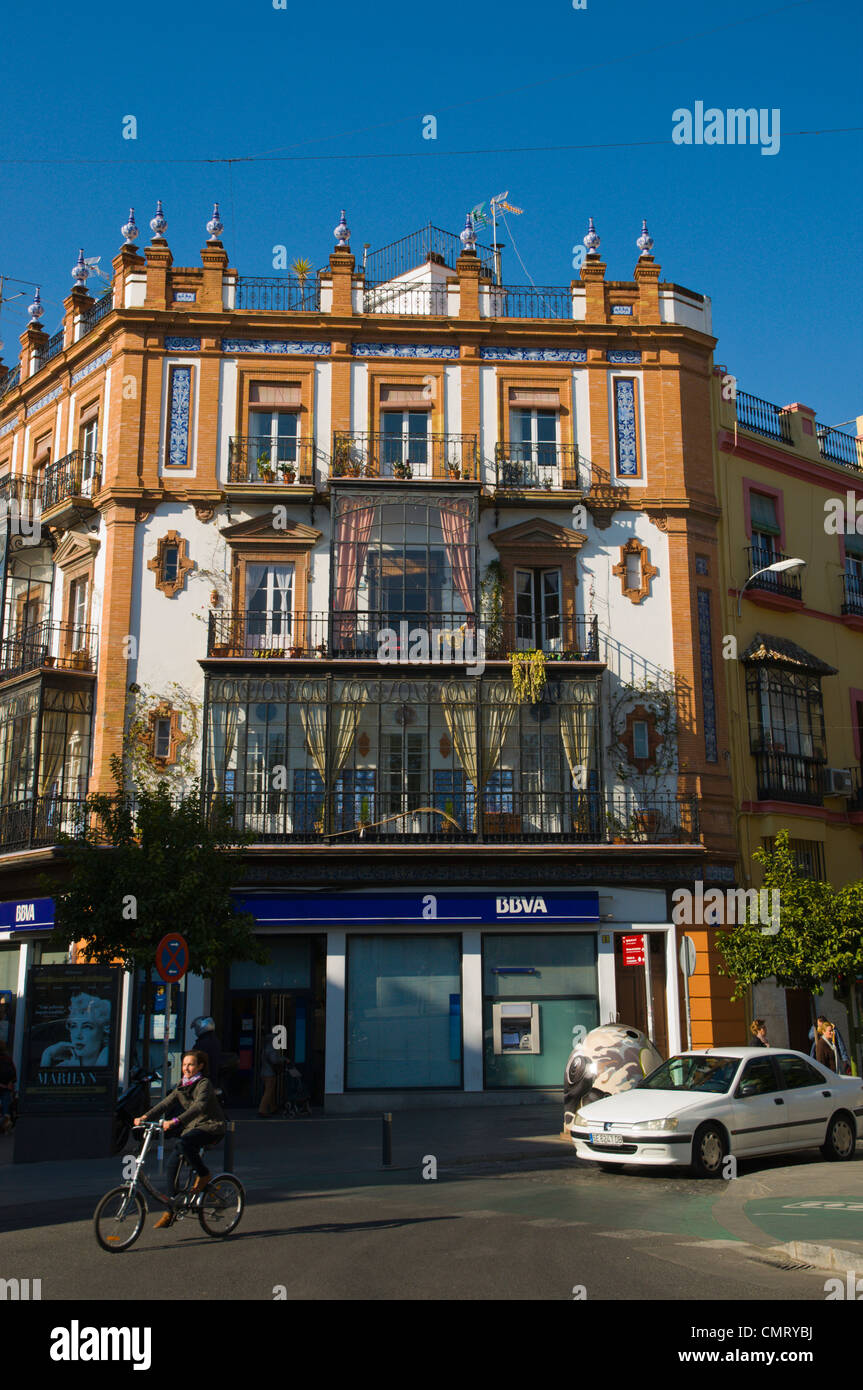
(69, 485)
(402, 458)
(852, 604)
(280, 293)
(39, 821)
(786, 584)
(760, 417)
(47, 646)
(846, 449)
(10, 380)
(546, 467)
(18, 489)
(53, 348)
(525, 302)
(412, 638)
(95, 315)
(265, 462)
(785, 777)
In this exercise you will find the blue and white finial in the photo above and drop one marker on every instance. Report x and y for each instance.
(468, 236)
(159, 223)
(645, 241)
(81, 271)
(215, 226)
(36, 309)
(591, 241)
(342, 232)
(130, 230)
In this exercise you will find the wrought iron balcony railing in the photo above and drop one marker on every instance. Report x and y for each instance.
(283, 293)
(552, 467)
(338, 818)
(853, 589)
(526, 302)
(430, 243)
(760, 417)
(77, 475)
(64, 646)
(785, 777)
(395, 637)
(52, 348)
(10, 380)
(785, 583)
(282, 461)
(93, 316)
(841, 448)
(445, 457)
(40, 820)
(855, 801)
(15, 488)
(404, 298)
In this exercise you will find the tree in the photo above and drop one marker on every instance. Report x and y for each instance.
(142, 870)
(820, 937)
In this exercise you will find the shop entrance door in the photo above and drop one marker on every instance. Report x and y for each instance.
(252, 1016)
(631, 994)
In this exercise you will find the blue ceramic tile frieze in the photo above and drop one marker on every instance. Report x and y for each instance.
(514, 354)
(269, 345)
(91, 367)
(182, 345)
(629, 358)
(424, 351)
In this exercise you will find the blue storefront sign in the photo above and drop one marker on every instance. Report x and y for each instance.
(420, 909)
(27, 914)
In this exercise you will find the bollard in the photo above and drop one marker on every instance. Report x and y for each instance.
(388, 1139)
(229, 1147)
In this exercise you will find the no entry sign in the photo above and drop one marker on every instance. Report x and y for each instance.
(633, 950)
(172, 958)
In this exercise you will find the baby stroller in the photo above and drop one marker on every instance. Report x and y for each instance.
(297, 1100)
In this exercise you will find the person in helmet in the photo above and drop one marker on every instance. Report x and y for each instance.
(207, 1041)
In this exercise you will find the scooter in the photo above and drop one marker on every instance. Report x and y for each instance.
(134, 1101)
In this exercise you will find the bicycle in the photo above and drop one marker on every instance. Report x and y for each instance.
(119, 1218)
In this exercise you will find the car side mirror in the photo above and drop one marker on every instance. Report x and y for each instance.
(747, 1088)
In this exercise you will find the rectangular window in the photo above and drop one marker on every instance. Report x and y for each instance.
(78, 610)
(808, 856)
(162, 739)
(89, 435)
(533, 451)
(405, 442)
(538, 595)
(640, 739)
(273, 438)
(269, 607)
(403, 1012)
(765, 530)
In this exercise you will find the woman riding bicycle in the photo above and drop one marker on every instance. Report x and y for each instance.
(201, 1121)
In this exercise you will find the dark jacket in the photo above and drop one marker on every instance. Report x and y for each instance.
(757, 1042)
(197, 1105)
(8, 1074)
(209, 1044)
(825, 1054)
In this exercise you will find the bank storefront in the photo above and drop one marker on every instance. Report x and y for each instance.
(397, 994)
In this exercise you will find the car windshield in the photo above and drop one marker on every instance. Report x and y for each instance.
(693, 1074)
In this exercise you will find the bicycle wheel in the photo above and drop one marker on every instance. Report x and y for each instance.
(119, 1219)
(221, 1205)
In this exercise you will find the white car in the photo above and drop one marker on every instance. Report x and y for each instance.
(699, 1107)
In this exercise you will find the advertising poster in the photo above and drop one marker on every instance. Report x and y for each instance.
(70, 1051)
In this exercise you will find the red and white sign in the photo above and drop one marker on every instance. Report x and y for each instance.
(172, 958)
(633, 950)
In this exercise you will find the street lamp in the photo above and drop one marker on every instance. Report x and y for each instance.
(778, 567)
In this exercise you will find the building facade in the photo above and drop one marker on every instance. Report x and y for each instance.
(421, 574)
(792, 489)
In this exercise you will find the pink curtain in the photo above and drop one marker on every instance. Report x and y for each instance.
(352, 544)
(455, 526)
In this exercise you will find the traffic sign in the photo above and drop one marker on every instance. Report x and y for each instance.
(172, 958)
(687, 956)
(633, 950)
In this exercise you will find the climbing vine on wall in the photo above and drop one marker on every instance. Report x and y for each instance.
(145, 704)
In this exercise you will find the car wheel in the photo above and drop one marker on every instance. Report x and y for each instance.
(709, 1151)
(841, 1138)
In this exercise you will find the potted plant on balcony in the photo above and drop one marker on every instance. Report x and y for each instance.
(453, 471)
(288, 472)
(402, 470)
(295, 650)
(365, 817)
(448, 820)
(321, 651)
(319, 819)
(265, 468)
(80, 659)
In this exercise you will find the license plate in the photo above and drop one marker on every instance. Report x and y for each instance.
(609, 1141)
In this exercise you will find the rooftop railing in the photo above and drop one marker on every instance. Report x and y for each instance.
(53, 347)
(430, 242)
(839, 447)
(760, 417)
(526, 302)
(10, 380)
(93, 316)
(283, 293)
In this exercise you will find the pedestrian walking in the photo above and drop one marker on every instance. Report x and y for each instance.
(826, 1051)
(758, 1029)
(273, 1061)
(842, 1055)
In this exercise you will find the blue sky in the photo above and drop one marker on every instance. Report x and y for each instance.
(774, 240)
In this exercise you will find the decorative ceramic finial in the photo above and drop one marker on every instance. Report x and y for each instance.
(645, 241)
(36, 309)
(342, 232)
(591, 241)
(80, 271)
(468, 236)
(215, 226)
(158, 224)
(129, 229)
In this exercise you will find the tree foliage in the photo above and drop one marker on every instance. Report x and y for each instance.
(820, 935)
(142, 870)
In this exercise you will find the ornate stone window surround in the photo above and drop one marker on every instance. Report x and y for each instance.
(648, 571)
(539, 544)
(171, 587)
(76, 558)
(164, 710)
(256, 542)
(640, 715)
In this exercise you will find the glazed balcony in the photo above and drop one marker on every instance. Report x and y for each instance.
(399, 637)
(285, 461)
(785, 777)
(404, 458)
(525, 467)
(68, 486)
(48, 646)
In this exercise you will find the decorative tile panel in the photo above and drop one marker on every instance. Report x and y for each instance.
(624, 309)
(514, 354)
(7, 428)
(708, 696)
(626, 429)
(185, 296)
(420, 350)
(182, 345)
(628, 359)
(44, 400)
(269, 345)
(178, 417)
(93, 366)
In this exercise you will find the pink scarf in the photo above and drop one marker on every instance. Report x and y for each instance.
(190, 1081)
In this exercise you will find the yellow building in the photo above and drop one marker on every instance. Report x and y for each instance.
(792, 490)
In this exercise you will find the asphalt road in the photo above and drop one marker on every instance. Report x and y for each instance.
(551, 1231)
